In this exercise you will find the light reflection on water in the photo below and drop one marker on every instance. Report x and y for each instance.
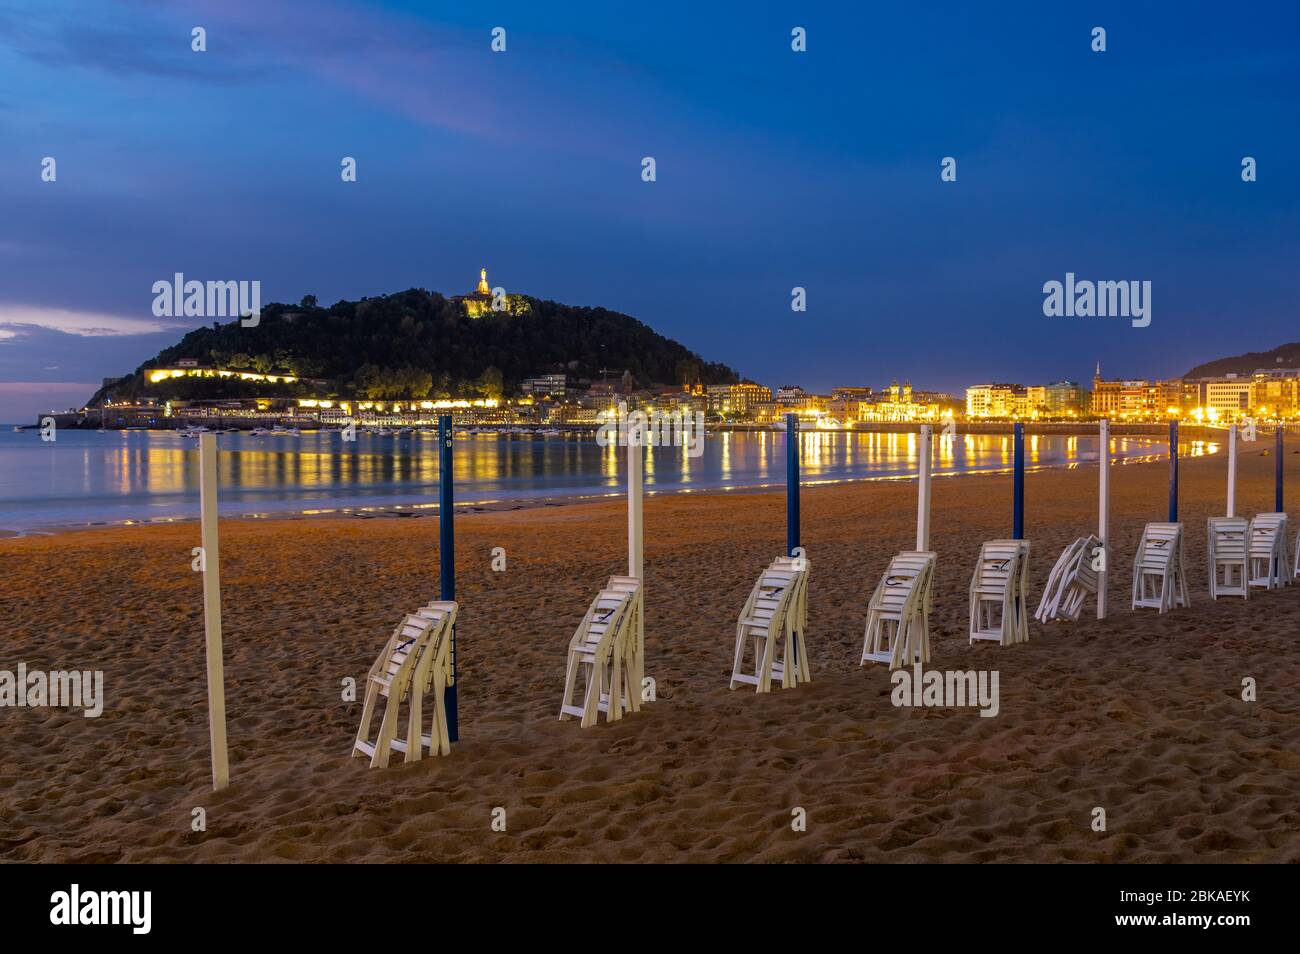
(89, 477)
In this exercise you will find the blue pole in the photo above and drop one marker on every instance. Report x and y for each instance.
(1173, 471)
(791, 483)
(1018, 485)
(447, 558)
(1277, 472)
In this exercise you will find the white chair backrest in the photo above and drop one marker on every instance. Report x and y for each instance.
(605, 614)
(1160, 543)
(402, 652)
(999, 560)
(1229, 537)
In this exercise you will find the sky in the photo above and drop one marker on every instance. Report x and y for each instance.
(774, 169)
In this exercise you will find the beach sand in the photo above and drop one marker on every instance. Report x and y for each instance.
(1141, 714)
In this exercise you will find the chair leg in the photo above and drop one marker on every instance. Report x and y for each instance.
(367, 714)
(805, 667)
(570, 684)
(440, 735)
(614, 711)
(740, 655)
(591, 702)
(387, 732)
(768, 647)
(633, 677)
(414, 718)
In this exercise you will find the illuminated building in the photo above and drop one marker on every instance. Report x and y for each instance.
(1133, 398)
(736, 401)
(1230, 397)
(479, 302)
(1277, 392)
(994, 400)
(1065, 399)
(188, 368)
(544, 384)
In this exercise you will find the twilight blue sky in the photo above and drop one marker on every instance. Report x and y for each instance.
(775, 169)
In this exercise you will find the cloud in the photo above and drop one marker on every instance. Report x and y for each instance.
(121, 44)
(34, 388)
(18, 320)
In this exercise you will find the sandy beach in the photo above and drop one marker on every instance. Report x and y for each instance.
(1140, 714)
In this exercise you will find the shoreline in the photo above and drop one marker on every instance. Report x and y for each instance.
(509, 504)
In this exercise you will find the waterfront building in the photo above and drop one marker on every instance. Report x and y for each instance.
(1065, 399)
(1230, 398)
(544, 385)
(736, 402)
(1277, 392)
(994, 400)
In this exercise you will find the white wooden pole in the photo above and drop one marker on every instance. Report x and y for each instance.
(635, 550)
(923, 492)
(212, 609)
(1103, 519)
(636, 439)
(1232, 470)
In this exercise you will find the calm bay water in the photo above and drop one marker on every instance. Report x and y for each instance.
(86, 477)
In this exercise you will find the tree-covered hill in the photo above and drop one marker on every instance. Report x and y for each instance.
(415, 344)
(1283, 356)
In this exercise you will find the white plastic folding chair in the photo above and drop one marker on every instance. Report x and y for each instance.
(391, 678)
(1072, 580)
(1159, 577)
(997, 593)
(1270, 563)
(797, 616)
(596, 652)
(898, 615)
(634, 646)
(432, 676)
(764, 624)
(1228, 554)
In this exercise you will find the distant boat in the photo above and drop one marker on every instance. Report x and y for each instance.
(193, 431)
(261, 431)
(279, 431)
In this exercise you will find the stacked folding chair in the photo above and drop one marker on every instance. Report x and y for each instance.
(1071, 582)
(770, 622)
(1229, 557)
(414, 664)
(1270, 562)
(898, 616)
(597, 652)
(634, 648)
(1159, 570)
(997, 593)
(797, 617)
(433, 674)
